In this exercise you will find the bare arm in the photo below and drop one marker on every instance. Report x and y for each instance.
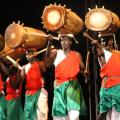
(82, 66)
(49, 60)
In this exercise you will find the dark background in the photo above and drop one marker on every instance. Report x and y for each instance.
(29, 12)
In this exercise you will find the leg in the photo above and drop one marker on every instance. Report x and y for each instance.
(42, 110)
(73, 114)
(113, 114)
(61, 118)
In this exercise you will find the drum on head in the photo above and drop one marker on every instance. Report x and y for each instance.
(14, 53)
(102, 20)
(18, 36)
(60, 19)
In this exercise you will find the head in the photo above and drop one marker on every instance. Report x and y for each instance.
(110, 43)
(13, 70)
(66, 40)
(29, 54)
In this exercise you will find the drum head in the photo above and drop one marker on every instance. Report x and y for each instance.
(53, 17)
(98, 19)
(2, 43)
(14, 35)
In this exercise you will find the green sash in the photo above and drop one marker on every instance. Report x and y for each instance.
(109, 97)
(68, 96)
(3, 108)
(15, 110)
(31, 106)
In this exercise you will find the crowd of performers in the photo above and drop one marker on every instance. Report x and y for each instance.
(68, 101)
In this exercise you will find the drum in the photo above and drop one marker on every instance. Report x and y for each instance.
(100, 19)
(5, 51)
(14, 53)
(60, 19)
(18, 36)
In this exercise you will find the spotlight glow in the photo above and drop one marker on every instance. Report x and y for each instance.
(12, 36)
(53, 17)
(98, 20)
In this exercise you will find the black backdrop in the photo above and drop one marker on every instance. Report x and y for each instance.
(29, 12)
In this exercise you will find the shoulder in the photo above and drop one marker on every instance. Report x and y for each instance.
(77, 54)
(53, 53)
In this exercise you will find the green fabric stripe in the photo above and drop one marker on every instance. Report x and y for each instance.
(3, 109)
(15, 110)
(66, 97)
(109, 97)
(31, 106)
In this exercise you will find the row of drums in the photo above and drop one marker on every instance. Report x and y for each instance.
(59, 19)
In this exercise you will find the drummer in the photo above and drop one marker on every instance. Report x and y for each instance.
(68, 100)
(36, 96)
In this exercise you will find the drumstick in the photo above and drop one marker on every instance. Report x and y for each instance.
(43, 50)
(93, 41)
(18, 59)
(36, 53)
(39, 34)
(87, 64)
(88, 36)
(14, 62)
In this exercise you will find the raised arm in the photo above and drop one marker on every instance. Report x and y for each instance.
(50, 53)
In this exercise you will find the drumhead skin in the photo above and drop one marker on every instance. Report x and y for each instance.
(53, 17)
(14, 35)
(98, 19)
(58, 18)
(102, 20)
(20, 36)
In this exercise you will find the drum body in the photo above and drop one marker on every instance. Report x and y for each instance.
(14, 53)
(102, 20)
(60, 19)
(18, 36)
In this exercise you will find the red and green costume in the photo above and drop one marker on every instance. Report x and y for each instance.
(110, 89)
(67, 93)
(33, 89)
(14, 103)
(2, 101)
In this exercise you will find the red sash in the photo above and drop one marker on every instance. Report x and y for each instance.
(68, 68)
(1, 83)
(11, 92)
(110, 72)
(33, 79)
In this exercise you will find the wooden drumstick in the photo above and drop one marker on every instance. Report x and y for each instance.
(93, 41)
(88, 36)
(87, 64)
(41, 51)
(14, 62)
(18, 59)
(39, 34)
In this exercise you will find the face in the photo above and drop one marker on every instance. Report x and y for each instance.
(65, 43)
(109, 44)
(29, 55)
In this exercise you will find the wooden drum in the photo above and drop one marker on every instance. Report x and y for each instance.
(100, 19)
(18, 36)
(14, 53)
(60, 19)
